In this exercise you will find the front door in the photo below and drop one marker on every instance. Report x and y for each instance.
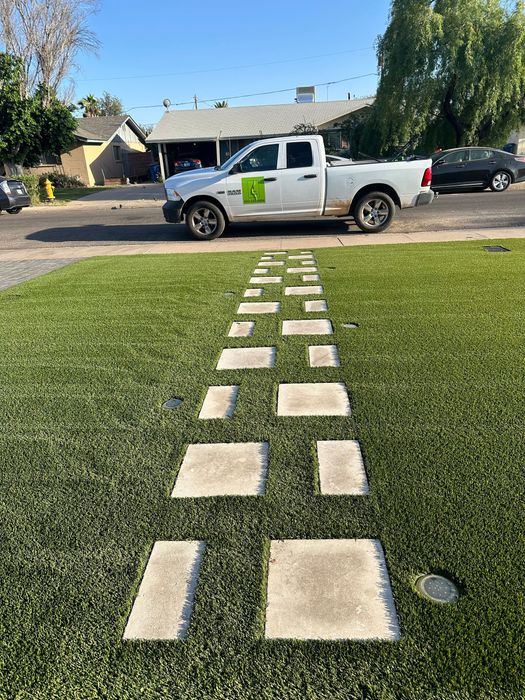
(451, 170)
(254, 188)
(301, 180)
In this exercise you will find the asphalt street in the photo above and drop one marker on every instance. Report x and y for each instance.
(103, 225)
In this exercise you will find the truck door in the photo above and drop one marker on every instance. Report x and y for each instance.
(301, 179)
(253, 186)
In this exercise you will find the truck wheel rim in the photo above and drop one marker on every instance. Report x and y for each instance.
(501, 181)
(375, 212)
(204, 220)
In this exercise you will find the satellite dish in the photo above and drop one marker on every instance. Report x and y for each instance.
(166, 103)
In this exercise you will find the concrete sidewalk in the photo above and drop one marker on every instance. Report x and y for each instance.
(226, 245)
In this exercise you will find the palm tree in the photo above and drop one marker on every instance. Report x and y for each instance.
(221, 104)
(90, 106)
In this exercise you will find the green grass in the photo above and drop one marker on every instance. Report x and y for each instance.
(70, 194)
(435, 369)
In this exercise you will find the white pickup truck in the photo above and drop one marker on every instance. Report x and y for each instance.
(289, 178)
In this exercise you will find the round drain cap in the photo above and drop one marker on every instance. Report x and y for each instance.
(172, 403)
(437, 588)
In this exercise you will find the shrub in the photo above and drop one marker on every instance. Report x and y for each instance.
(61, 180)
(31, 183)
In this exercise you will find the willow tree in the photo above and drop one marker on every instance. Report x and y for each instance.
(452, 72)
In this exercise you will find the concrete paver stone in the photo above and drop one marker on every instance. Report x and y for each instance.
(266, 280)
(255, 292)
(271, 263)
(319, 399)
(278, 252)
(317, 305)
(314, 326)
(329, 589)
(298, 291)
(247, 358)
(162, 608)
(241, 329)
(323, 356)
(222, 469)
(261, 271)
(302, 256)
(300, 270)
(259, 307)
(311, 278)
(219, 402)
(341, 468)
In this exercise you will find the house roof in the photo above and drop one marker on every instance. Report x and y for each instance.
(101, 129)
(247, 122)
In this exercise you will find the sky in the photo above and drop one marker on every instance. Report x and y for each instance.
(221, 50)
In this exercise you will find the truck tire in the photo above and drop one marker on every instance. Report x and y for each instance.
(205, 221)
(374, 212)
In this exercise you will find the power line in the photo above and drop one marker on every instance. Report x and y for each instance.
(226, 68)
(253, 94)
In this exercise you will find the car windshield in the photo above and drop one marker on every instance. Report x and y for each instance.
(228, 164)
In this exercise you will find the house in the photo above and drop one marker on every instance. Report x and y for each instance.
(213, 135)
(517, 138)
(107, 149)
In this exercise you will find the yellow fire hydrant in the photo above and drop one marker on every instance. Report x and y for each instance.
(50, 190)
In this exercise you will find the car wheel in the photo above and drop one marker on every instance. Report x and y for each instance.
(205, 221)
(374, 212)
(501, 181)
(16, 210)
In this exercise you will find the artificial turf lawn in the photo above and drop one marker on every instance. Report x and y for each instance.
(435, 370)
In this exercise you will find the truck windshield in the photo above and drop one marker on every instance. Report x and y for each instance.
(228, 164)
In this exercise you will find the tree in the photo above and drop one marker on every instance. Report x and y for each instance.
(90, 105)
(109, 105)
(47, 37)
(452, 72)
(304, 129)
(222, 104)
(29, 125)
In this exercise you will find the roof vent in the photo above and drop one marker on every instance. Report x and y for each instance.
(305, 94)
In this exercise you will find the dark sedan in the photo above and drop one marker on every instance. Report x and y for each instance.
(13, 196)
(461, 169)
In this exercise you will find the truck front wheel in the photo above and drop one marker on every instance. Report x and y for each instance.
(374, 212)
(205, 221)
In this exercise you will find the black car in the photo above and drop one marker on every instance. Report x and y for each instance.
(13, 196)
(468, 168)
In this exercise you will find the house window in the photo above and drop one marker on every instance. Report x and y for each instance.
(117, 154)
(50, 159)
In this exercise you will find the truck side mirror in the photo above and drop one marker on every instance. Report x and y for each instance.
(236, 169)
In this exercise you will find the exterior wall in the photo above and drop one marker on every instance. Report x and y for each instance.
(518, 137)
(73, 164)
(101, 161)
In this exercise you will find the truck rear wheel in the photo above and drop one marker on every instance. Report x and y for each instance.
(374, 212)
(205, 221)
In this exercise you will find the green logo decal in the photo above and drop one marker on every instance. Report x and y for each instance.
(253, 190)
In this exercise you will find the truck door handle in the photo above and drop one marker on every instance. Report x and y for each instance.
(309, 177)
(270, 179)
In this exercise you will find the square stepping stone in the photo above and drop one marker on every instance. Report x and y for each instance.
(223, 469)
(261, 271)
(219, 402)
(329, 589)
(247, 358)
(323, 356)
(242, 329)
(302, 256)
(317, 326)
(266, 280)
(274, 263)
(320, 399)
(311, 278)
(341, 468)
(298, 291)
(259, 307)
(163, 606)
(256, 292)
(318, 305)
(300, 270)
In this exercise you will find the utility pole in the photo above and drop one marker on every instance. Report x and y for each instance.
(196, 101)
